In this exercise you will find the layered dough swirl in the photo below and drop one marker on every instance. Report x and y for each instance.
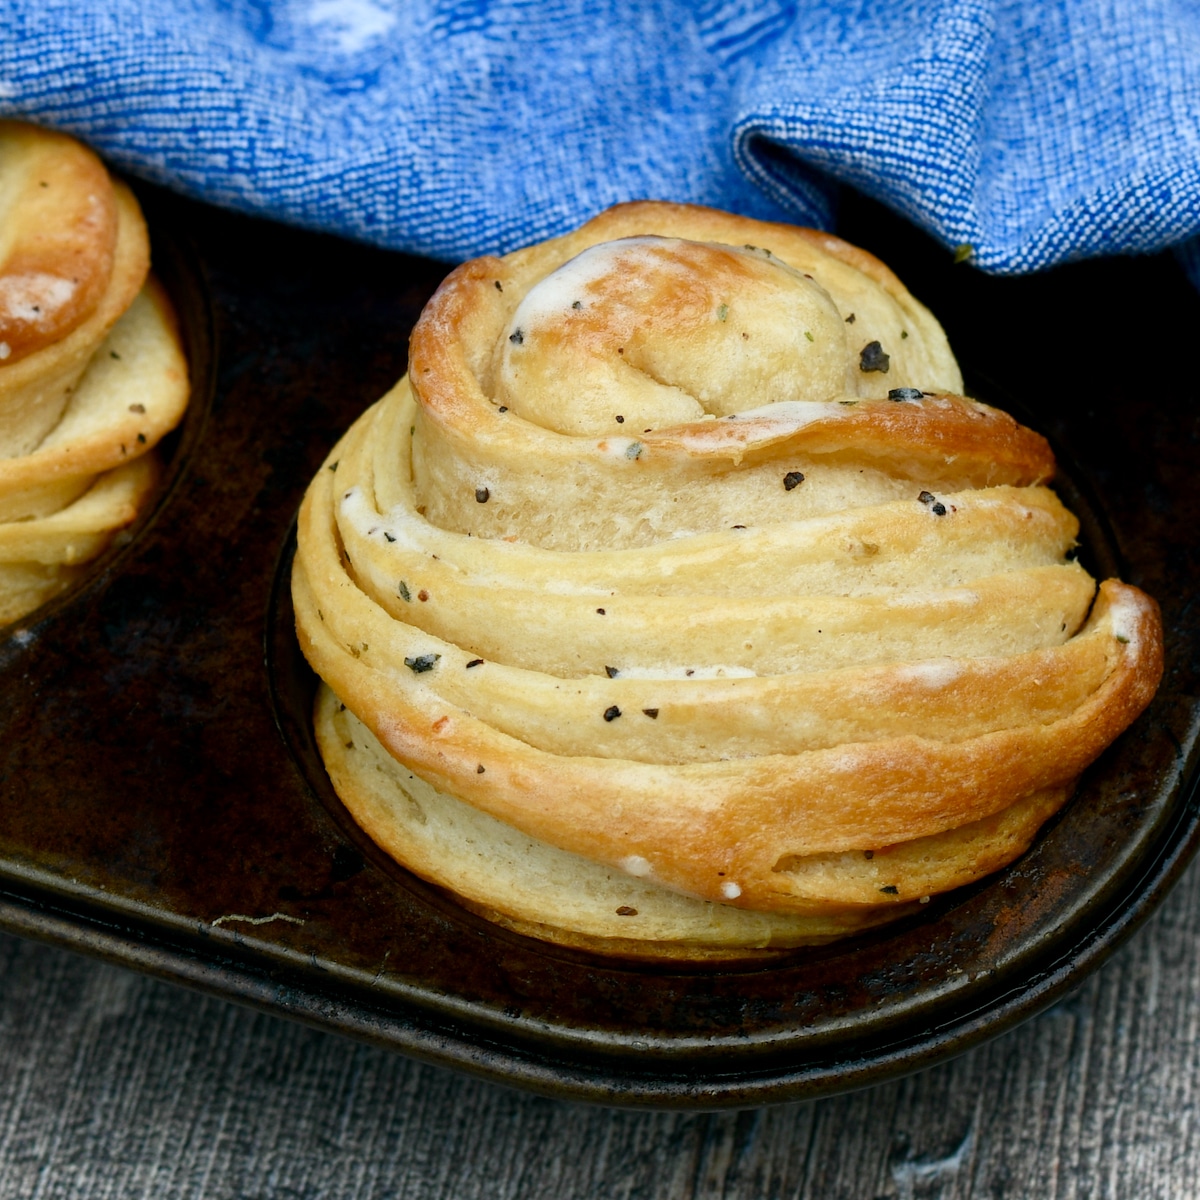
(677, 604)
(92, 370)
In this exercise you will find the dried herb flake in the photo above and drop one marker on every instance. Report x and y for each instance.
(872, 358)
(421, 663)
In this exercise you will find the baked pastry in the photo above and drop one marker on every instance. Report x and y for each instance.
(677, 604)
(92, 371)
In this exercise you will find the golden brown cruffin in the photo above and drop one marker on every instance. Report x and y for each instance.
(92, 370)
(674, 605)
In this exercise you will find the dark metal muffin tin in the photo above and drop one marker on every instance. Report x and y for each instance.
(157, 769)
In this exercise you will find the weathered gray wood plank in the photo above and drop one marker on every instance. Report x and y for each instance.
(116, 1087)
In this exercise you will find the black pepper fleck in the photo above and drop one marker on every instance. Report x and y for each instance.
(504, 408)
(475, 662)
(872, 358)
(481, 495)
(499, 286)
(576, 303)
(421, 663)
(620, 419)
(479, 769)
(600, 611)
(626, 911)
(851, 319)
(141, 408)
(141, 439)
(927, 497)
(612, 672)
(939, 509)
(517, 338)
(388, 536)
(904, 394)
(868, 854)
(891, 889)
(652, 713)
(793, 479)
(113, 354)
(611, 714)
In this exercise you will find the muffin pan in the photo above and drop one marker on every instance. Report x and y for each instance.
(163, 805)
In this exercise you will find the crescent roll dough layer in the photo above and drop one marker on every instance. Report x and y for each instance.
(681, 592)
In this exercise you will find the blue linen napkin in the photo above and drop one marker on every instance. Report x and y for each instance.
(1034, 133)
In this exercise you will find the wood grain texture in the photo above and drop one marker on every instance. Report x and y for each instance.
(117, 1087)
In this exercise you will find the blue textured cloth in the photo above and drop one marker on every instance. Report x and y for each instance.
(1035, 132)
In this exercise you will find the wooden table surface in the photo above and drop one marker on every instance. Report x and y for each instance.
(117, 1087)
(114, 1086)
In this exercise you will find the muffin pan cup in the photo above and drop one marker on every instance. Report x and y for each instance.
(162, 804)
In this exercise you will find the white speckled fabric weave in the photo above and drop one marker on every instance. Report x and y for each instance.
(1034, 132)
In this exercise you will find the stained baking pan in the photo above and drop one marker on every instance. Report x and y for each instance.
(162, 805)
